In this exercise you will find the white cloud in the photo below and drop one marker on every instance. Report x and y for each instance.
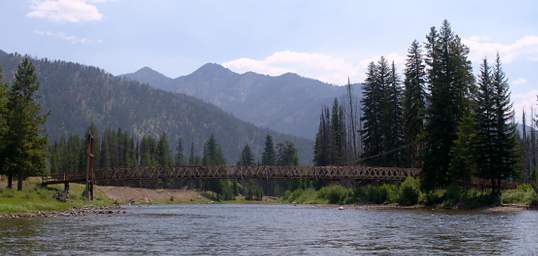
(331, 69)
(525, 47)
(66, 10)
(65, 37)
(525, 100)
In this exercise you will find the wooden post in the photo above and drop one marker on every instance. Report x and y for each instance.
(89, 170)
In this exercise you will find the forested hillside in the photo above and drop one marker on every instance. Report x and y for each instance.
(287, 103)
(75, 95)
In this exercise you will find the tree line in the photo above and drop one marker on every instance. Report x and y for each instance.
(439, 117)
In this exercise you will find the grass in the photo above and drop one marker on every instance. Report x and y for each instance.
(37, 199)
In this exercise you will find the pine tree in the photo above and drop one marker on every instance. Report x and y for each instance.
(414, 105)
(27, 147)
(3, 122)
(180, 157)
(286, 154)
(450, 81)
(393, 123)
(371, 119)
(192, 157)
(337, 150)
(268, 156)
(247, 158)
(486, 119)
(322, 144)
(212, 153)
(505, 137)
(163, 151)
(462, 161)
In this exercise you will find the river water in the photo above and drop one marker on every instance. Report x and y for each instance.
(273, 230)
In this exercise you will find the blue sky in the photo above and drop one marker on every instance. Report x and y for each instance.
(327, 40)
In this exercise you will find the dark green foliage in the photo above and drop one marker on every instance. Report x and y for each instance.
(382, 118)
(3, 122)
(414, 105)
(336, 194)
(495, 147)
(322, 144)
(392, 121)
(164, 155)
(409, 191)
(330, 144)
(179, 159)
(212, 153)
(450, 81)
(372, 134)
(247, 158)
(27, 146)
(462, 156)
(378, 194)
(338, 135)
(286, 154)
(505, 150)
(269, 155)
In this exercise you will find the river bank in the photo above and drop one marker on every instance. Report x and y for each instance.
(35, 201)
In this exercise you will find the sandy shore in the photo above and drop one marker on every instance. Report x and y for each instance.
(127, 195)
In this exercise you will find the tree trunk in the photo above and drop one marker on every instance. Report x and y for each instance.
(19, 181)
(10, 181)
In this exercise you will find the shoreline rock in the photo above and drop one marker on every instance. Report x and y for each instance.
(74, 212)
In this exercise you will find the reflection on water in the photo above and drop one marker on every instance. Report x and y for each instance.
(274, 230)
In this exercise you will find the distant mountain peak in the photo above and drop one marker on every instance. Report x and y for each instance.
(148, 71)
(212, 68)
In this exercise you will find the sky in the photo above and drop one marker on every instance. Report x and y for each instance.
(325, 40)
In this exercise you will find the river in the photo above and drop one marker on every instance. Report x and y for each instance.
(230, 229)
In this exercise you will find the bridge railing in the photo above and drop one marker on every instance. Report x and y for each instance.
(365, 173)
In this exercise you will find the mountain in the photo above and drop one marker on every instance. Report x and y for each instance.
(287, 103)
(74, 95)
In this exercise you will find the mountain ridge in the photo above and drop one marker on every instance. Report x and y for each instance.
(78, 94)
(288, 103)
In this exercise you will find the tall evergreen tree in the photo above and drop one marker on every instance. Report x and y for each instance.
(286, 154)
(338, 135)
(247, 158)
(212, 153)
(180, 156)
(414, 105)
(27, 145)
(505, 137)
(192, 157)
(322, 145)
(486, 122)
(393, 137)
(450, 81)
(3, 122)
(371, 119)
(268, 156)
(462, 156)
(163, 151)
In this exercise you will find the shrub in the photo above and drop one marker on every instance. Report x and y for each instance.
(523, 194)
(336, 194)
(378, 194)
(432, 198)
(409, 191)
(453, 195)
(304, 196)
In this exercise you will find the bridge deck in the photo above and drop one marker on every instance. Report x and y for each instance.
(355, 173)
